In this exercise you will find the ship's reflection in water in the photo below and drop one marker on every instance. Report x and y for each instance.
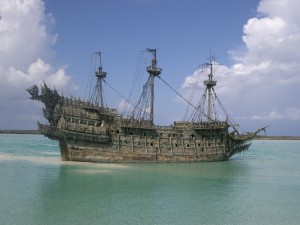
(141, 193)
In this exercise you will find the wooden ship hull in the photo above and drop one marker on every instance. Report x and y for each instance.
(84, 136)
(88, 131)
(76, 146)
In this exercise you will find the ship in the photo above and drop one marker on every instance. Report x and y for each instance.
(89, 131)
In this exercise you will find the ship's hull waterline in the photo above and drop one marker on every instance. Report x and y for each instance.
(87, 152)
(168, 145)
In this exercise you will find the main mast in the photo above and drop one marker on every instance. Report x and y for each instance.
(100, 76)
(153, 71)
(210, 83)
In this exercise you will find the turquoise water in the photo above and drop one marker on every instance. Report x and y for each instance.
(261, 186)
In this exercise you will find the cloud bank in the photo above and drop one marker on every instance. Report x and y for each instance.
(263, 83)
(26, 43)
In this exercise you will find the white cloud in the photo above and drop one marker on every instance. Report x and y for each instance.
(266, 75)
(26, 43)
(271, 116)
(24, 34)
(124, 106)
(190, 81)
(293, 113)
(287, 9)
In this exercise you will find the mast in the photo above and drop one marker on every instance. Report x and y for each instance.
(100, 76)
(153, 71)
(210, 83)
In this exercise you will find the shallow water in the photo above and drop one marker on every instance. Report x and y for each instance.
(261, 186)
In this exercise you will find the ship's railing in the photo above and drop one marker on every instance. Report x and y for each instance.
(77, 102)
(104, 110)
(209, 125)
(84, 136)
(84, 128)
(47, 129)
(43, 127)
(59, 133)
(192, 125)
(132, 123)
(164, 127)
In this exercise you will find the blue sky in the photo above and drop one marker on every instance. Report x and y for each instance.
(254, 40)
(184, 31)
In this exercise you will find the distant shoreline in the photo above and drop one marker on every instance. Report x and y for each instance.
(19, 132)
(258, 137)
(262, 137)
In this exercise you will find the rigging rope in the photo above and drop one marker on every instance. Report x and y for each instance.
(91, 78)
(198, 109)
(115, 90)
(196, 116)
(230, 119)
(142, 106)
(193, 91)
(136, 81)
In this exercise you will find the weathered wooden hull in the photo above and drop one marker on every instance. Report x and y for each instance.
(163, 144)
(91, 152)
(78, 147)
(124, 141)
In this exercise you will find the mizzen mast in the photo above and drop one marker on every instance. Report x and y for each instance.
(153, 71)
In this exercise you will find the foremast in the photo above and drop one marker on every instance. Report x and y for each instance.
(210, 83)
(153, 71)
(100, 74)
